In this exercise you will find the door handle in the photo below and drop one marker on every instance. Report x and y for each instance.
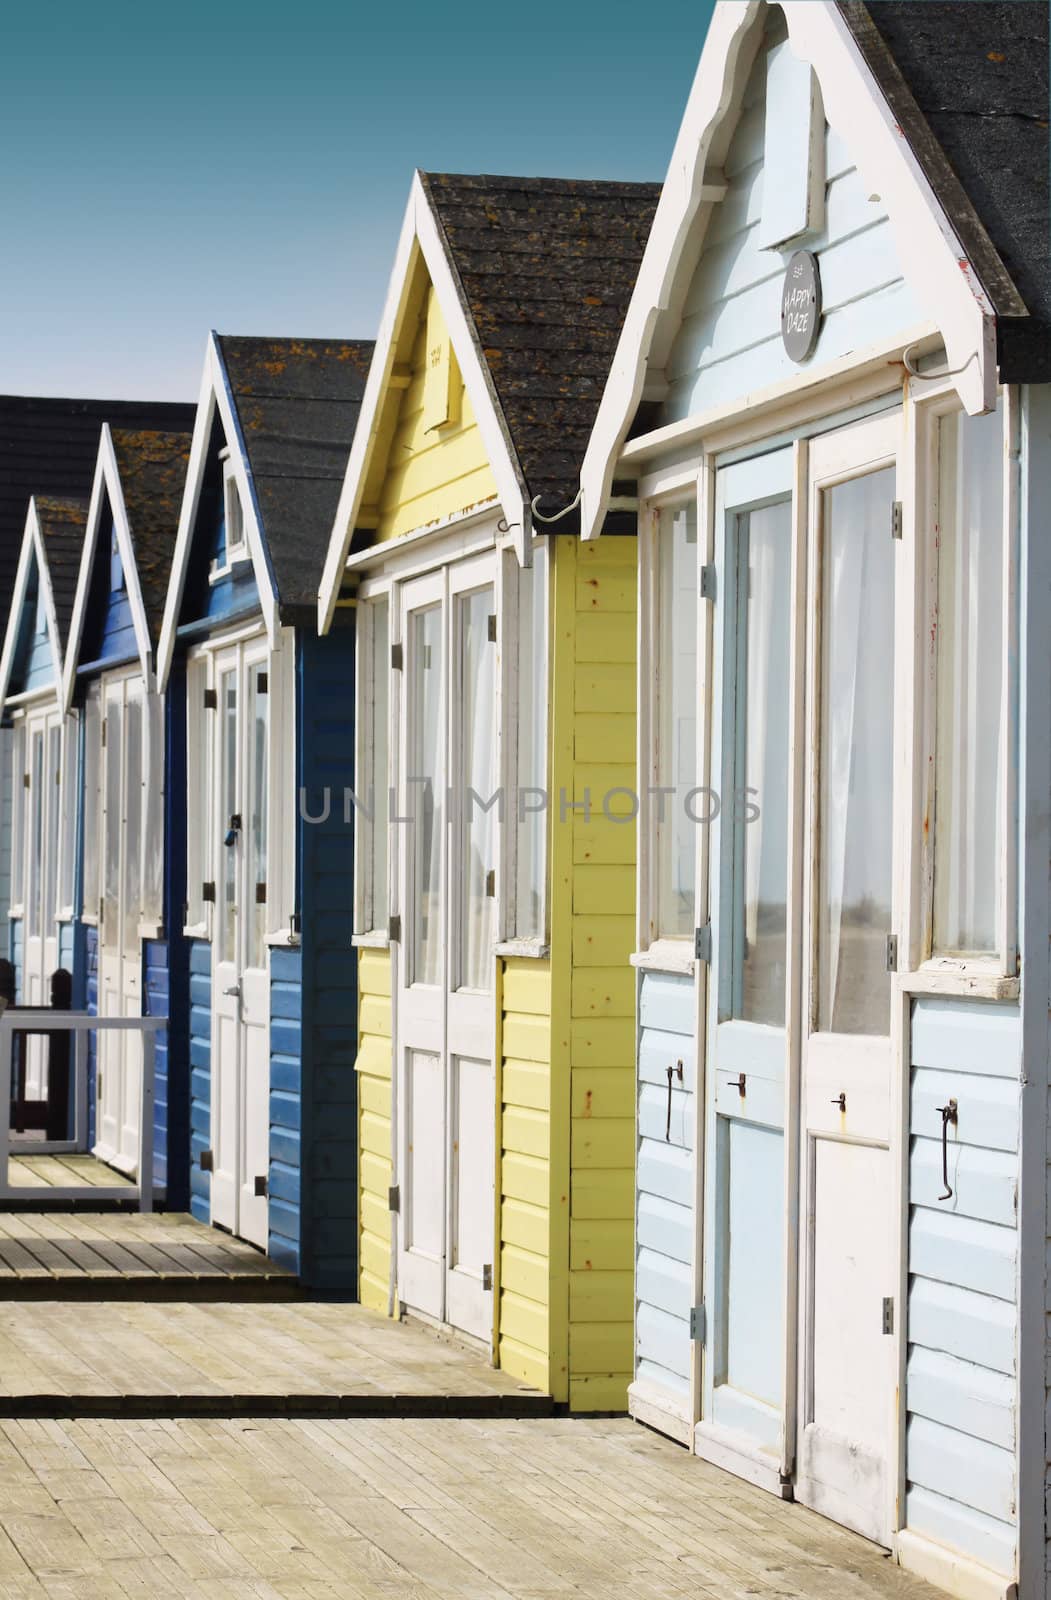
(948, 1114)
(235, 989)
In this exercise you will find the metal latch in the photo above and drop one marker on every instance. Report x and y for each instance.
(491, 628)
(487, 1277)
(892, 952)
(211, 700)
(888, 1315)
(895, 520)
(261, 1187)
(702, 943)
(396, 658)
(394, 1198)
(490, 883)
(208, 891)
(207, 1163)
(708, 581)
(698, 1323)
(394, 930)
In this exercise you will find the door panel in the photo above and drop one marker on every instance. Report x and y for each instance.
(446, 711)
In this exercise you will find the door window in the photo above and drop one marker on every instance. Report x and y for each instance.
(114, 742)
(229, 818)
(36, 835)
(476, 879)
(677, 718)
(856, 786)
(132, 885)
(425, 787)
(258, 733)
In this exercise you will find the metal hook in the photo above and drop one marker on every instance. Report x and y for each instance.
(673, 1072)
(947, 372)
(539, 515)
(948, 1114)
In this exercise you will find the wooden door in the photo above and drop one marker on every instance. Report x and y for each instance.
(849, 1204)
(753, 909)
(446, 883)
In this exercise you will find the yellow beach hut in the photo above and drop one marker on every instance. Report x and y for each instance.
(493, 796)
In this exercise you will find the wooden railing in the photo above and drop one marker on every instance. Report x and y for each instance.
(43, 1020)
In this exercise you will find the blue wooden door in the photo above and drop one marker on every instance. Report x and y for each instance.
(752, 909)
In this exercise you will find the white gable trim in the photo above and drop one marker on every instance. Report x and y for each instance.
(421, 236)
(106, 486)
(933, 259)
(215, 396)
(32, 546)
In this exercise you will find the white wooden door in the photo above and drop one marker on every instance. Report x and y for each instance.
(752, 909)
(240, 1086)
(40, 846)
(119, 1080)
(849, 1205)
(447, 765)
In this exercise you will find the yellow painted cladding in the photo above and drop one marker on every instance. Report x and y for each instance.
(374, 1127)
(429, 462)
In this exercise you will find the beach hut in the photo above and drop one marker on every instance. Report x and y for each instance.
(830, 394)
(495, 746)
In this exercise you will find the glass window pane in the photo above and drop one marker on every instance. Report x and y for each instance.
(68, 806)
(477, 703)
(377, 778)
(92, 798)
(54, 797)
(857, 755)
(256, 821)
(764, 552)
(968, 825)
(677, 718)
(531, 816)
(425, 792)
(132, 886)
(200, 829)
(228, 809)
(36, 835)
(18, 772)
(113, 821)
(153, 806)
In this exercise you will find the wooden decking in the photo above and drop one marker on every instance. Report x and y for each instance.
(74, 1255)
(61, 1171)
(321, 1359)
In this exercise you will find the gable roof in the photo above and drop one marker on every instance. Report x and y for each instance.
(48, 446)
(288, 409)
(967, 200)
(52, 539)
(533, 276)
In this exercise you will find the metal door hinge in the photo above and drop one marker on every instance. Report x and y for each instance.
(702, 943)
(262, 683)
(104, 722)
(394, 1198)
(697, 1323)
(892, 952)
(490, 883)
(262, 1188)
(25, 780)
(211, 700)
(491, 628)
(396, 658)
(394, 930)
(487, 1277)
(208, 891)
(206, 1162)
(260, 894)
(888, 1315)
(895, 520)
(708, 581)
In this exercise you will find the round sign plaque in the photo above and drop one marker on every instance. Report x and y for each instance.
(801, 305)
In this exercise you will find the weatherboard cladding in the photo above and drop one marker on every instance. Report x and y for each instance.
(297, 404)
(50, 446)
(545, 268)
(969, 86)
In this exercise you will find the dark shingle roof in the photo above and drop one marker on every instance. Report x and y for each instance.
(545, 268)
(975, 76)
(297, 402)
(152, 469)
(49, 447)
(63, 521)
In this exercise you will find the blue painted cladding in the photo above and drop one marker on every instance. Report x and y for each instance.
(961, 1381)
(284, 1212)
(729, 341)
(664, 1217)
(109, 632)
(40, 663)
(200, 1040)
(156, 991)
(91, 1005)
(328, 1128)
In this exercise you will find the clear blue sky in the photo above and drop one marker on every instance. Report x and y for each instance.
(169, 169)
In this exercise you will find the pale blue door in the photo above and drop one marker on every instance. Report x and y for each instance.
(752, 907)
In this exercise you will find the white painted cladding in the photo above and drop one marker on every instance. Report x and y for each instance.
(729, 342)
(961, 1382)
